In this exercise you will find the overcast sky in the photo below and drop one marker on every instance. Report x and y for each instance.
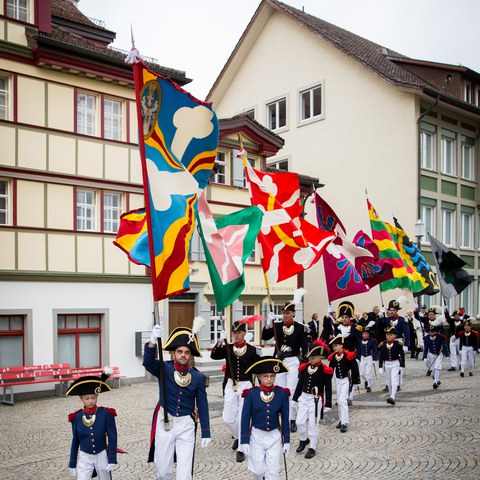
(197, 36)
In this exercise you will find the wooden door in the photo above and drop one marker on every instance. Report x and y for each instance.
(180, 314)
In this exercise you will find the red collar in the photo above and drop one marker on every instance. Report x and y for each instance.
(267, 389)
(390, 341)
(316, 364)
(241, 344)
(394, 317)
(179, 367)
(287, 324)
(91, 410)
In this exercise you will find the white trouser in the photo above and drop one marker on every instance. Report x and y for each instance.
(289, 380)
(467, 353)
(454, 350)
(232, 407)
(342, 385)
(264, 458)
(392, 375)
(434, 362)
(86, 462)
(179, 439)
(366, 368)
(306, 412)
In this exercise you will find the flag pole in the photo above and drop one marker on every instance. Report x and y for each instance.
(438, 274)
(229, 356)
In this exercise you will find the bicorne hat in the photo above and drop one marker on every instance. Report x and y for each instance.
(346, 308)
(183, 337)
(267, 364)
(89, 385)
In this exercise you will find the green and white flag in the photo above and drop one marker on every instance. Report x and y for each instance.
(228, 242)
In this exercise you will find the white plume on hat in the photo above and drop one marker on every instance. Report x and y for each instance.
(402, 301)
(298, 295)
(198, 324)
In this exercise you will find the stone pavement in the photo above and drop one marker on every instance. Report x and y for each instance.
(429, 434)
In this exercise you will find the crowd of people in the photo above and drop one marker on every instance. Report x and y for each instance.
(266, 398)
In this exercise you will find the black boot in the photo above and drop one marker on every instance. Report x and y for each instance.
(240, 457)
(235, 444)
(310, 453)
(293, 426)
(302, 445)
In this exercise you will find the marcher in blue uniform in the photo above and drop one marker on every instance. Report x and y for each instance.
(314, 396)
(391, 355)
(92, 427)
(239, 356)
(264, 426)
(434, 349)
(469, 342)
(366, 354)
(185, 387)
(291, 345)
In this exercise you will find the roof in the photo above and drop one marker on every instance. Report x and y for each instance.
(380, 60)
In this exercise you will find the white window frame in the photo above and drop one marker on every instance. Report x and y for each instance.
(468, 161)
(219, 172)
(308, 93)
(5, 197)
(111, 213)
(86, 211)
(428, 216)
(466, 298)
(449, 164)
(87, 116)
(468, 92)
(466, 230)
(280, 164)
(252, 163)
(448, 234)
(196, 252)
(216, 324)
(248, 310)
(428, 161)
(253, 256)
(18, 8)
(112, 121)
(275, 105)
(5, 98)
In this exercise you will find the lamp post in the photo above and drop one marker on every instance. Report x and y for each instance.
(419, 232)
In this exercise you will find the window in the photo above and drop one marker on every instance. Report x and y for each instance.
(86, 210)
(238, 172)
(311, 103)
(112, 209)
(466, 232)
(12, 340)
(219, 170)
(253, 256)
(277, 114)
(466, 299)
(86, 114)
(448, 227)
(196, 253)
(18, 9)
(468, 92)
(280, 165)
(79, 340)
(4, 98)
(4, 202)
(428, 217)
(477, 92)
(468, 171)
(427, 146)
(251, 113)
(249, 311)
(448, 153)
(216, 324)
(112, 119)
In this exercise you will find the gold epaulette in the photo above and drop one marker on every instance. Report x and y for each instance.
(380, 345)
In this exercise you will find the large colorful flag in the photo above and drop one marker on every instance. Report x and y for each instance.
(132, 236)
(341, 277)
(178, 144)
(228, 242)
(289, 243)
(402, 278)
(374, 269)
(452, 277)
(413, 259)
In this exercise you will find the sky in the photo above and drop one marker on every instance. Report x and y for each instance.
(198, 36)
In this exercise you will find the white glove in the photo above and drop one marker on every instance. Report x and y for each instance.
(329, 310)
(306, 328)
(383, 310)
(286, 449)
(73, 472)
(380, 370)
(246, 448)
(371, 324)
(223, 335)
(110, 467)
(271, 318)
(157, 332)
(206, 442)
(248, 337)
(405, 348)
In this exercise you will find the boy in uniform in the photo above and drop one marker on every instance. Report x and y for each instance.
(367, 353)
(434, 350)
(92, 427)
(264, 425)
(469, 341)
(313, 394)
(392, 356)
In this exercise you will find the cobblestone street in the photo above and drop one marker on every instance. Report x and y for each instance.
(429, 434)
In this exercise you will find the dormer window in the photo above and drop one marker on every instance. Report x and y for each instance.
(468, 92)
(18, 9)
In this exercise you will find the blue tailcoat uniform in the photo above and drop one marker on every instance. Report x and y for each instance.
(93, 440)
(436, 345)
(367, 349)
(180, 400)
(265, 416)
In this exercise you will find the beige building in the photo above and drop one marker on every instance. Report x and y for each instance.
(69, 167)
(361, 117)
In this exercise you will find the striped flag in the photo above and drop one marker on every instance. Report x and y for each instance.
(132, 236)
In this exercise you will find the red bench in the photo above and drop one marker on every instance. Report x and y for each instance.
(11, 377)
